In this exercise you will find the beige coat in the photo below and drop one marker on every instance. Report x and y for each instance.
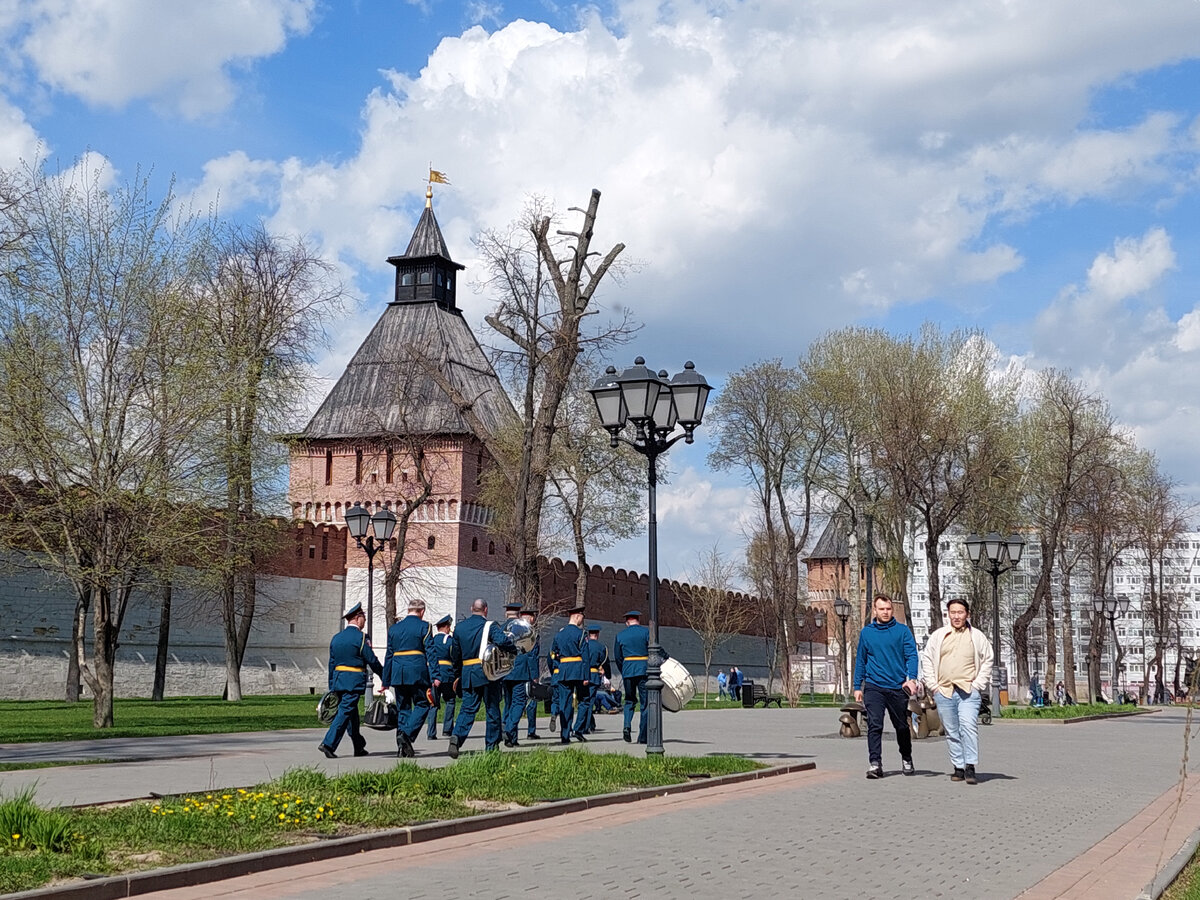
(932, 654)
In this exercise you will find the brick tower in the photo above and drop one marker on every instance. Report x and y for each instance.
(387, 420)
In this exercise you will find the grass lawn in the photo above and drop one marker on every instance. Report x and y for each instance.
(1187, 885)
(1067, 712)
(22, 721)
(55, 720)
(38, 845)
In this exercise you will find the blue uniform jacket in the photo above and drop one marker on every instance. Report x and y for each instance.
(552, 665)
(410, 653)
(464, 649)
(631, 651)
(597, 660)
(440, 668)
(526, 666)
(568, 649)
(350, 656)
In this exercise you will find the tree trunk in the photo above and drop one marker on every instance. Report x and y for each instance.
(1051, 674)
(78, 628)
(233, 673)
(1094, 651)
(164, 636)
(104, 646)
(932, 561)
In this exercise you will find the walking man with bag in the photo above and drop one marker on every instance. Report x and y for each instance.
(885, 676)
(471, 636)
(350, 657)
(410, 655)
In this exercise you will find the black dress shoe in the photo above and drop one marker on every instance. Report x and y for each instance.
(533, 737)
(328, 751)
(628, 737)
(565, 740)
(361, 751)
(579, 737)
(508, 742)
(515, 743)
(453, 748)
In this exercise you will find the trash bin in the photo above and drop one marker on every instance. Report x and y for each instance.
(748, 693)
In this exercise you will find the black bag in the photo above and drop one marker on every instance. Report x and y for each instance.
(381, 715)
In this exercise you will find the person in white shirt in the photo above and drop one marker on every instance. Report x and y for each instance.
(956, 667)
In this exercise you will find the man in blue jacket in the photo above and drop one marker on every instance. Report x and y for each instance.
(597, 660)
(631, 653)
(350, 656)
(885, 676)
(465, 649)
(568, 652)
(516, 682)
(409, 658)
(443, 679)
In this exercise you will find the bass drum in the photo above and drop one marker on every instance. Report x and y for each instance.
(678, 685)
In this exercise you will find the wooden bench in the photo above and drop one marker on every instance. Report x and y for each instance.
(754, 694)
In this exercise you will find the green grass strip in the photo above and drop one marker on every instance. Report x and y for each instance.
(38, 845)
(1077, 711)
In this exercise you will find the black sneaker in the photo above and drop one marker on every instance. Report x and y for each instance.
(958, 775)
(453, 748)
(328, 751)
(876, 771)
(970, 775)
(906, 766)
(628, 737)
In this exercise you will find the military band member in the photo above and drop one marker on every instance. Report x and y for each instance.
(631, 652)
(597, 660)
(442, 676)
(350, 657)
(465, 647)
(516, 682)
(573, 676)
(410, 653)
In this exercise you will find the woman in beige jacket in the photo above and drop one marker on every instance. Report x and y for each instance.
(956, 668)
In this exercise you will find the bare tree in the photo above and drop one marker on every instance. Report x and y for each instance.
(270, 299)
(711, 608)
(544, 284)
(95, 306)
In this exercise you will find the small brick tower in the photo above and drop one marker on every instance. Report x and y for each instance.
(386, 412)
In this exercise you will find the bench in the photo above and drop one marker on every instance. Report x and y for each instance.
(754, 694)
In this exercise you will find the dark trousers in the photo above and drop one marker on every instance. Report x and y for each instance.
(895, 700)
(515, 698)
(444, 695)
(566, 692)
(635, 693)
(487, 696)
(531, 716)
(412, 706)
(346, 720)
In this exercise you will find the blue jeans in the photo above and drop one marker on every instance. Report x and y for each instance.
(960, 717)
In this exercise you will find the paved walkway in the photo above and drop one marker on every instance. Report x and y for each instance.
(1086, 810)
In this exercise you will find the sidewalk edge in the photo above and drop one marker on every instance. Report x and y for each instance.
(191, 874)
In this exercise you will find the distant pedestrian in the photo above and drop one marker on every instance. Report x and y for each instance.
(735, 683)
(1060, 694)
(885, 676)
(956, 666)
(722, 685)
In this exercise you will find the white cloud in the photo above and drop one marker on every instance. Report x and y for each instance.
(18, 139)
(233, 181)
(175, 53)
(1133, 268)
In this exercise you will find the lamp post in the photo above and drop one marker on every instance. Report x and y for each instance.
(383, 523)
(1112, 608)
(841, 609)
(817, 622)
(1000, 555)
(654, 407)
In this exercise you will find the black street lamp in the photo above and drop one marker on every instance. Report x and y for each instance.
(815, 623)
(1112, 608)
(383, 523)
(841, 609)
(1000, 555)
(654, 406)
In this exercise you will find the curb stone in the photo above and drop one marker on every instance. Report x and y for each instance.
(191, 874)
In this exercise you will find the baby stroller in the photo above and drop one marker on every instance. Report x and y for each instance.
(985, 708)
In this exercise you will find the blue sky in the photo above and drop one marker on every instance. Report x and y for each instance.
(776, 168)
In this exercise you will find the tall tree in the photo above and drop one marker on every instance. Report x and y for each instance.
(270, 300)
(711, 608)
(1069, 435)
(544, 284)
(95, 294)
(766, 426)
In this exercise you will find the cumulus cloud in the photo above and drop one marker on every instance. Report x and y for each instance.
(18, 139)
(175, 54)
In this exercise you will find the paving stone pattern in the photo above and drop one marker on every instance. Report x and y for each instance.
(1047, 793)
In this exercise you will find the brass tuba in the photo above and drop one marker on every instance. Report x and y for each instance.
(499, 661)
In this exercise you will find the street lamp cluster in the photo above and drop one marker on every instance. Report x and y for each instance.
(995, 555)
(1112, 608)
(383, 523)
(813, 621)
(655, 406)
